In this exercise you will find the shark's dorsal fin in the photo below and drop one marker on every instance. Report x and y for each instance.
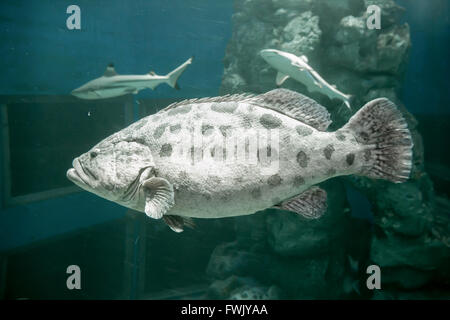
(304, 58)
(152, 73)
(295, 105)
(110, 71)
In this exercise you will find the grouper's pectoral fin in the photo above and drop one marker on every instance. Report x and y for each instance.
(159, 197)
(310, 204)
(177, 223)
(281, 78)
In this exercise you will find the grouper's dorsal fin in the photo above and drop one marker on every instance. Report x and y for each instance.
(227, 98)
(110, 71)
(295, 105)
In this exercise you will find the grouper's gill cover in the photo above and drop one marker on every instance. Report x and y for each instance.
(111, 168)
(138, 167)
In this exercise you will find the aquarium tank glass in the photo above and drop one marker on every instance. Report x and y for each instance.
(106, 194)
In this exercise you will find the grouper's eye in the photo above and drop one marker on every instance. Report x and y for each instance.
(93, 154)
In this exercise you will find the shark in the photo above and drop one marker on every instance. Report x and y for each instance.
(111, 84)
(292, 66)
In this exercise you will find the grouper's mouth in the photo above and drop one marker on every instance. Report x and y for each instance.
(78, 176)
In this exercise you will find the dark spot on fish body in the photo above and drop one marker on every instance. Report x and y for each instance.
(364, 136)
(207, 129)
(328, 151)
(159, 131)
(256, 193)
(303, 131)
(298, 181)
(340, 136)
(269, 121)
(166, 150)
(302, 159)
(246, 122)
(350, 158)
(180, 110)
(175, 128)
(224, 107)
(274, 180)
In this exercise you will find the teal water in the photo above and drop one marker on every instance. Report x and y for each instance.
(48, 224)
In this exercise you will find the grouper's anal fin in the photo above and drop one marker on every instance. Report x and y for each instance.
(159, 197)
(177, 223)
(310, 204)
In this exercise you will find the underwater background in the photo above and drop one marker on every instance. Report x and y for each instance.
(48, 224)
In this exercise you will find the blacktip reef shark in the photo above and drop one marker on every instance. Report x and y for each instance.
(112, 84)
(289, 65)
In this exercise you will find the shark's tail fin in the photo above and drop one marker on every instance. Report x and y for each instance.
(347, 100)
(173, 76)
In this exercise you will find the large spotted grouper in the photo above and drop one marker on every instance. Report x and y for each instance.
(239, 154)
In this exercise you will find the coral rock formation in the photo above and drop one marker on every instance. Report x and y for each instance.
(327, 258)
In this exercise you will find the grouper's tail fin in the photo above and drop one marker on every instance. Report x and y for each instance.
(381, 127)
(173, 75)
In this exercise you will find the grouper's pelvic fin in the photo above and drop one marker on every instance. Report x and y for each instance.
(381, 127)
(175, 74)
(159, 197)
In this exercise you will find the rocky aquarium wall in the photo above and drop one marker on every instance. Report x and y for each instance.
(402, 228)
